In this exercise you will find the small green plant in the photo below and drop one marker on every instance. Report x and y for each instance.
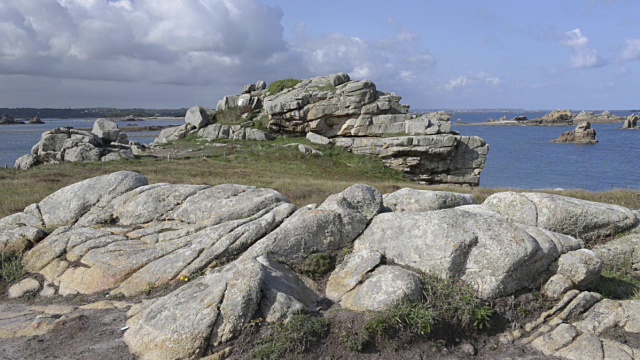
(279, 85)
(317, 265)
(299, 334)
(482, 317)
(354, 343)
(405, 316)
(11, 269)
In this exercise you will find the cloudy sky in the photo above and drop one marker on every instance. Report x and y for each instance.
(532, 54)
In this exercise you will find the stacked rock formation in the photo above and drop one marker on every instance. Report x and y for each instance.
(105, 142)
(117, 234)
(604, 117)
(583, 134)
(556, 117)
(356, 116)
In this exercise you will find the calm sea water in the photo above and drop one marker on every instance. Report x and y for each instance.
(520, 157)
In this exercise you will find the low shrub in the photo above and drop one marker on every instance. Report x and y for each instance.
(233, 115)
(317, 265)
(279, 85)
(299, 334)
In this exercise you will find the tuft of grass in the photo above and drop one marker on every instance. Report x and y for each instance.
(317, 265)
(233, 116)
(443, 301)
(299, 334)
(11, 269)
(619, 282)
(280, 85)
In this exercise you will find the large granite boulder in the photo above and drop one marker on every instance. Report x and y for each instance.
(199, 116)
(582, 219)
(106, 130)
(459, 243)
(583, 134)
(408, 199)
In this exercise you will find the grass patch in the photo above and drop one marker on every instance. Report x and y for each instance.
(299, 334)
(280, 85)
(11, 269)
(317, 265)
(233, 115)
(443, 302)
(619, 282)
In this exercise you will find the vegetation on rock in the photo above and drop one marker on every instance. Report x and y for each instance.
(280, 85)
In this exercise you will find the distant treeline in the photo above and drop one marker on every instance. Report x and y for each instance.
(90, 113)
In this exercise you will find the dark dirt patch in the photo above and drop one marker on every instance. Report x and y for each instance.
(86, 334)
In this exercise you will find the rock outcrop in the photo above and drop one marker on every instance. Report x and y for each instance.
(631, 122)
(583, 134)
(202, 122)
(9, 120)
(104, 143)
(358, 117)
(234, 254)
(604, 117)
(556, 117)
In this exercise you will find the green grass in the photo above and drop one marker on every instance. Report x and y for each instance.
(443, 302)
(11, 270)
(299, 334)
(317, 265)
(619, 282)
(233, 116)
(280, 85)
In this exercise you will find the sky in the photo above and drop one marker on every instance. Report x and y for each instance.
(436, 54)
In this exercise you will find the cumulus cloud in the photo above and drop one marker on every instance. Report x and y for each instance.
(584, 56)
(471, 80)
(632, 51)
(173, 42)
(399, 58)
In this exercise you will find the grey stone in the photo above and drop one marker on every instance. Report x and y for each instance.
(582, 219)
(583, 347)
(318, 139)
(408, 199)
(106, 130)
(549, 343)
(26, 286)
(25, 162)
(351, 272)
(459, 244)
(582, 267)
(68, 204)
(386, 286)
(199, 116)
(557, 286)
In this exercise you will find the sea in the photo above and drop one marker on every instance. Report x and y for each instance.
(520, 157)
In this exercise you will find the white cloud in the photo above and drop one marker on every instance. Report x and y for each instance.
(479, 79)
(632, 51)
(584, 56)
(175, 42)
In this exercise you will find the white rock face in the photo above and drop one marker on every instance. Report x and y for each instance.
(106, 130)
(199, 116)
(408, 199)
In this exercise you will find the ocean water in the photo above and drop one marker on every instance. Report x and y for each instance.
(519, 157)
(17, 140)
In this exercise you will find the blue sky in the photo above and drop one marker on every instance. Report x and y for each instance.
(435, 54)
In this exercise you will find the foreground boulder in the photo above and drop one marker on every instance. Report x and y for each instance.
(583, 134)
(582, 219)
(631, 122)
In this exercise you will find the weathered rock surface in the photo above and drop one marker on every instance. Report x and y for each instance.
(582, 219)
(624, 250)
(104, 143)
(408, 199)
(604, 117)
(241, 249)
(199, 116)
(583, 134)
(556, 117)
(455, 244)
(434, 159)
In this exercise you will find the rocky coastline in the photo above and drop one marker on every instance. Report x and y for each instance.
(556, 118)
